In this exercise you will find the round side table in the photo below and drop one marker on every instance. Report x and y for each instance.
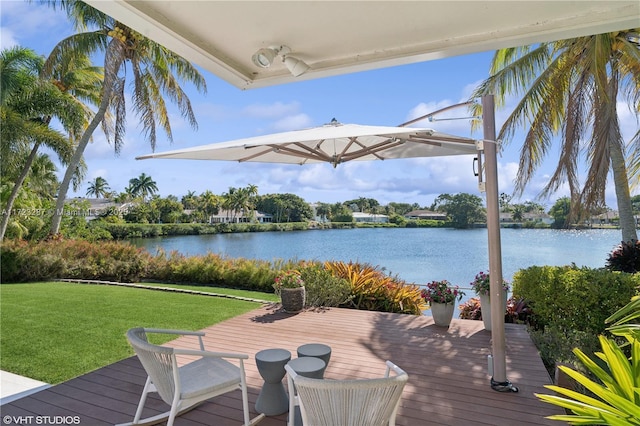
(308, 367)
(316, 350)
(272, 399)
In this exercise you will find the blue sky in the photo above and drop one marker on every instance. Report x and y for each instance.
(387, 96)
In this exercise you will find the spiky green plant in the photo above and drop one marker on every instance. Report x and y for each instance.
(615, 401)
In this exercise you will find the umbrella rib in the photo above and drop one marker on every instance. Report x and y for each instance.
(435, 139)
(338, 158)
(374, 149)
(258, 154)
(426, 142)
(316, 154)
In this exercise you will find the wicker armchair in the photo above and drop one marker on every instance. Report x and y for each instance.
(184, 387)
(364, 402)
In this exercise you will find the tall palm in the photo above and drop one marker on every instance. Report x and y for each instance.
(249, 199)
(28, 104)
(230, 202)
(143, 186)
(571, 88)
(190, 200)
(152, 67)
(209, 204)
(98, 188)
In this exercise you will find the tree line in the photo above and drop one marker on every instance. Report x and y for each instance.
(241, 204)
(569, 89)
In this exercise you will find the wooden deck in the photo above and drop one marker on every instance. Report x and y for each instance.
(448, 382)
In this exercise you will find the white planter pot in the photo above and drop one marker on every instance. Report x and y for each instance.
(485, 305)
(442, 313)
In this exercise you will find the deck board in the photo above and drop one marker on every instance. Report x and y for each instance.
(448, 383)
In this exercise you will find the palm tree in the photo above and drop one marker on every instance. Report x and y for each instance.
(35, 195)
(151, 65)
(230, 202)
(248, 200)
(190, 200)
(142, 186)
(98, 188)
(42, 179)
(571, 88)
(209, 203)
(28, 104)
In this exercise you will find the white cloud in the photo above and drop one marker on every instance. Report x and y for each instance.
(292, 122)
(628, 120)
(216, 112)
(274, 110)
(21, 21)
(7, 38)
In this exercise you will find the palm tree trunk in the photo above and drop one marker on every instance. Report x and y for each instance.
(16, 188)
(623, 196)
(113, 61)
(618, 166)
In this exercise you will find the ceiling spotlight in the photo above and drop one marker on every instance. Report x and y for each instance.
(296, 66)
(265, 56)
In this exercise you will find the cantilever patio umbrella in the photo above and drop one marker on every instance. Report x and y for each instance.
(337, 143)
(333, 143)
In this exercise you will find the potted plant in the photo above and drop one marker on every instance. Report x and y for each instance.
(441, 296)
(481, 285)
(290, 287)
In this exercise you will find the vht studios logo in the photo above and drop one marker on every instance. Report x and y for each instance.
(41, 420)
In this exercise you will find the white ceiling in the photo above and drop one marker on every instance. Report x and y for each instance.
(336, 37)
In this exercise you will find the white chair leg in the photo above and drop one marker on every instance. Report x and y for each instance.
(293, 400)
(175, 409)
(143, 399)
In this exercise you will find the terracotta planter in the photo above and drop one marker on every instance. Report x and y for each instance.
(292, 299)
(442, 313)
(485, 305)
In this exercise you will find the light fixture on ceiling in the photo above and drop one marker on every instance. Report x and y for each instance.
(296, 66)
(264, 57)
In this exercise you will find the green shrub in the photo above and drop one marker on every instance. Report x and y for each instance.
(608, 392)
(213, 269)
(322, 288)
(73, 259)
(346, 218)
(556, 345)
(572, 298)
(24, 262)
(121, 231)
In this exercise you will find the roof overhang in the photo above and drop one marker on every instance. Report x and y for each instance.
(337, 37)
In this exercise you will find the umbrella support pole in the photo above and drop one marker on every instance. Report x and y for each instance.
(499, 381)
(503, 386)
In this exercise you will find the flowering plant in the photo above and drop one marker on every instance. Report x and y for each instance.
(288, 279)
(481, 284)
(441, 292)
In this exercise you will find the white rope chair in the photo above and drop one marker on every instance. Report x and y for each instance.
(363, 402)
(184, 387)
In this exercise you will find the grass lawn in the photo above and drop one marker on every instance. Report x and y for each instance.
(56, 331)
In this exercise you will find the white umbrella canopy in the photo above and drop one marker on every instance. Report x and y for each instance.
(333, 143)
